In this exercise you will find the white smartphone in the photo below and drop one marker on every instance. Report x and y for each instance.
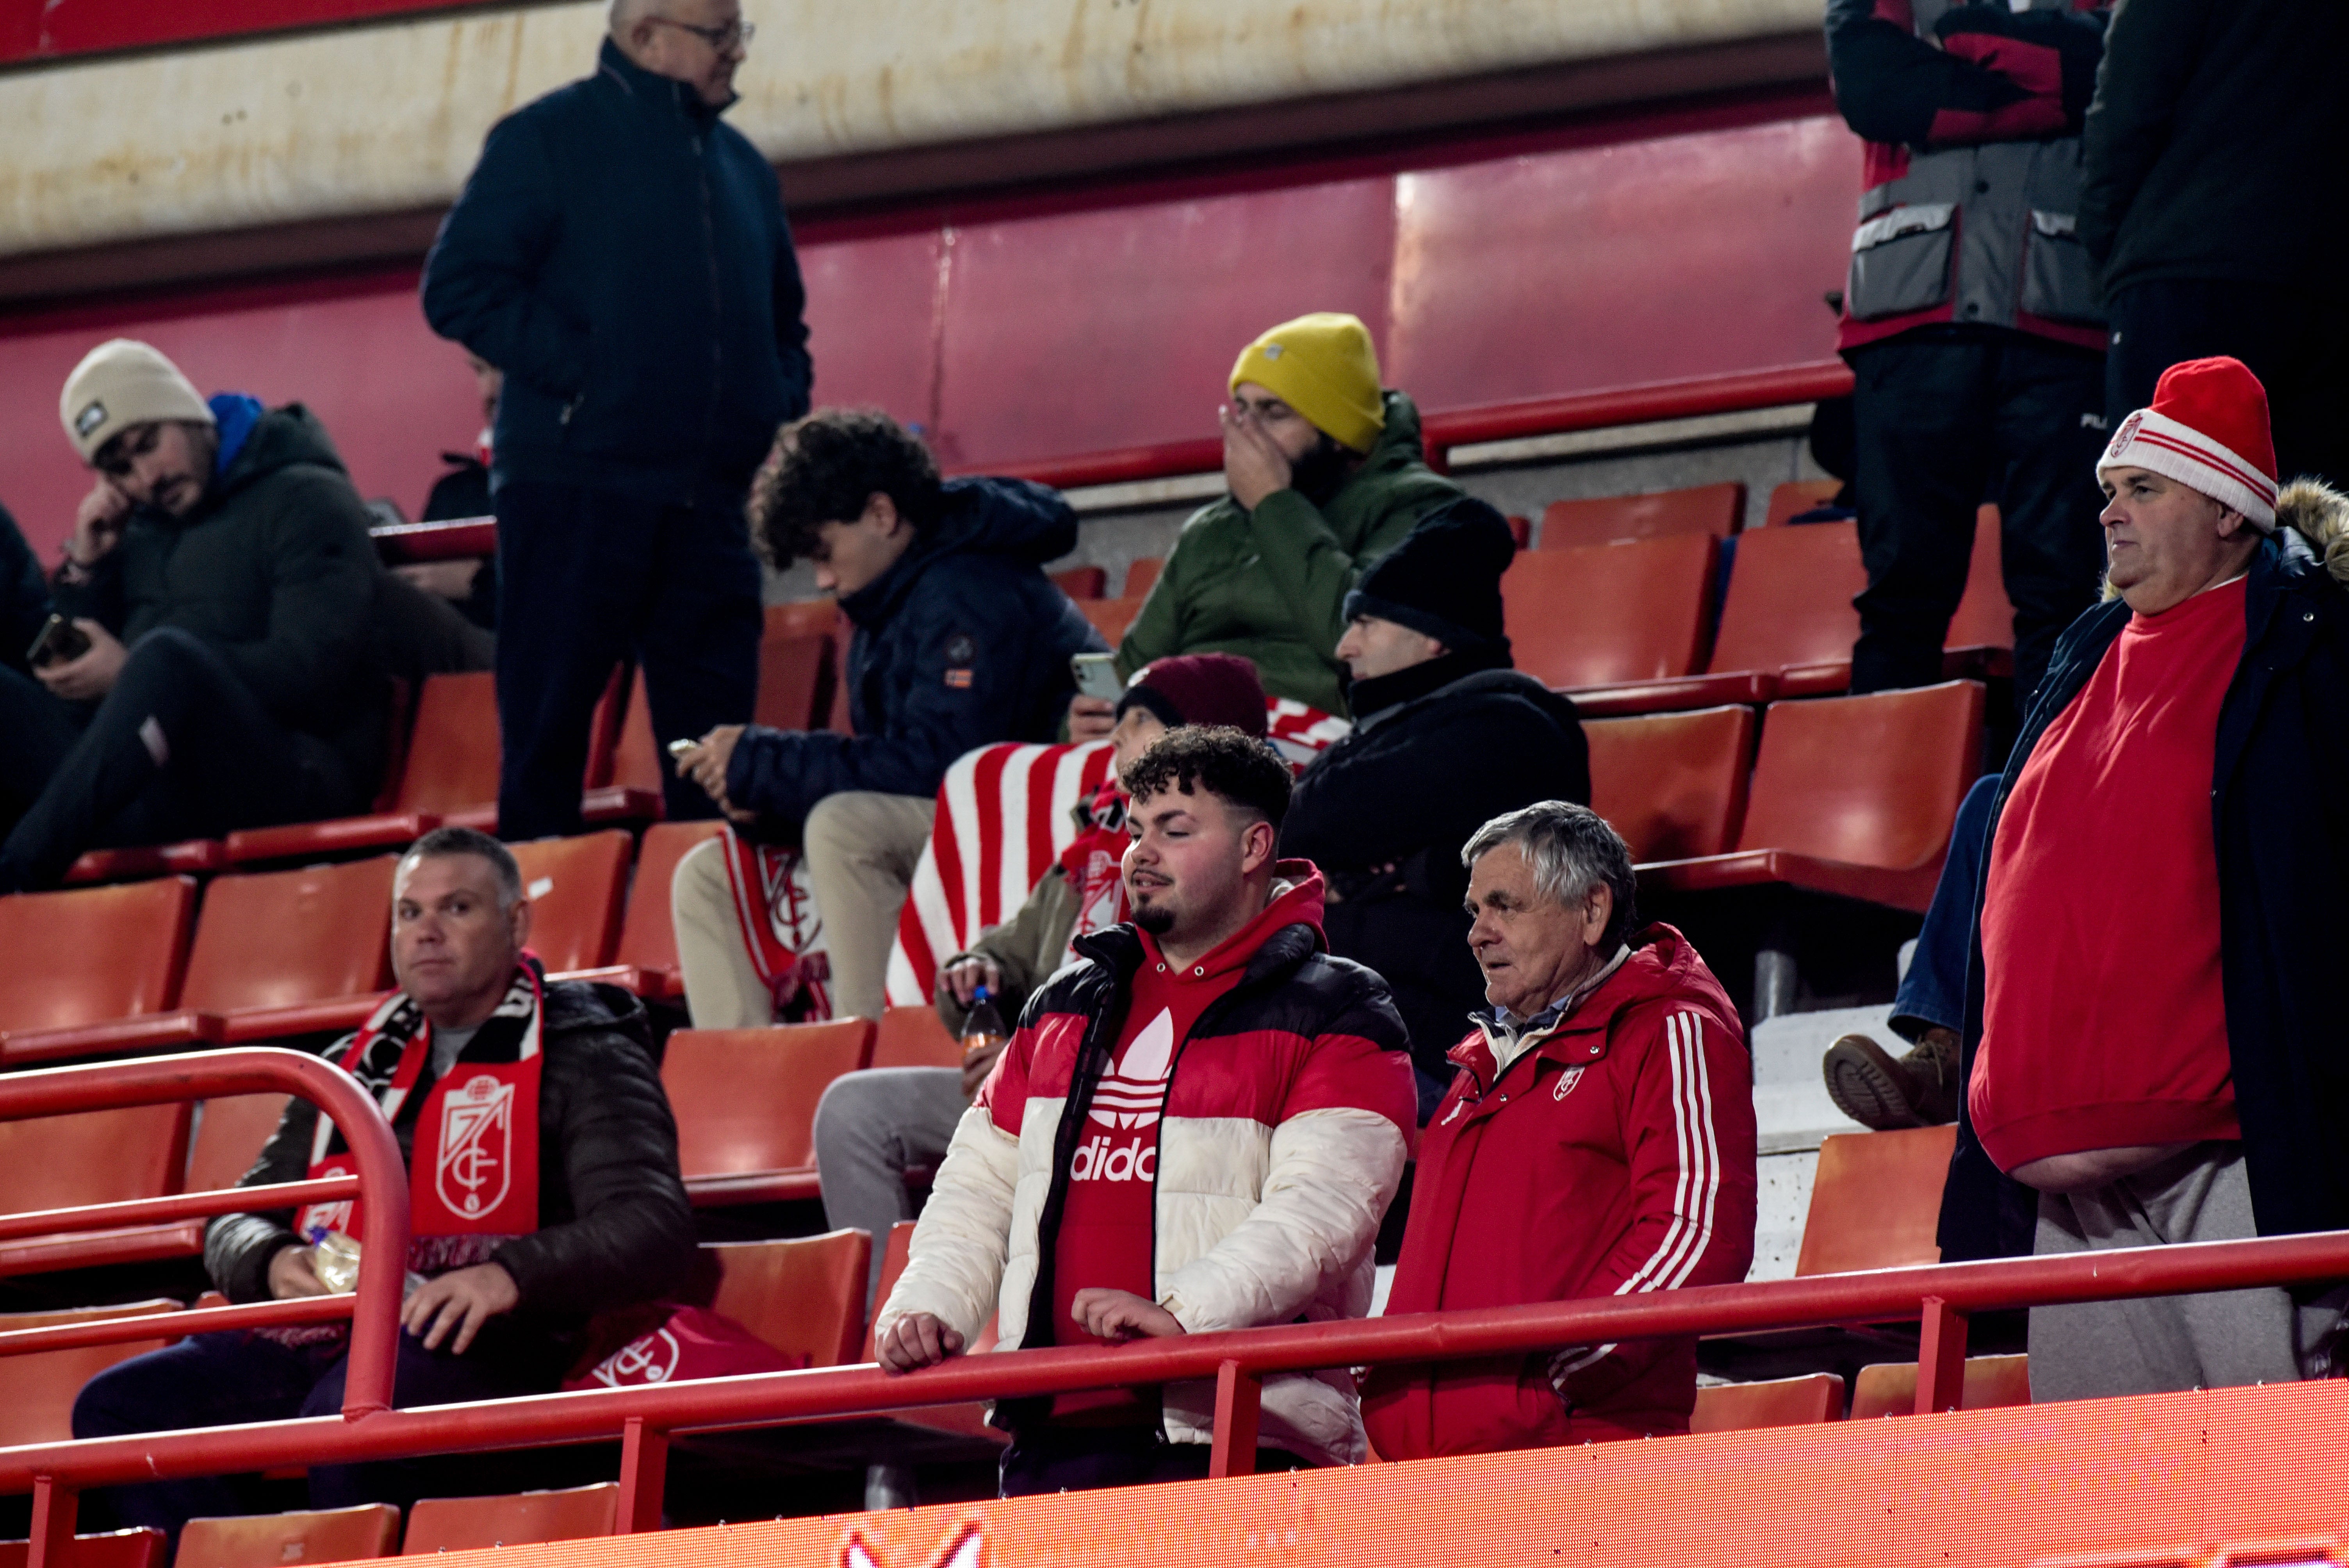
(1096, 675)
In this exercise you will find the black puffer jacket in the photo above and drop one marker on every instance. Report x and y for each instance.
(1385, 811)
(274, 570)
(24, 596)
(615, 1228)
(963, 643)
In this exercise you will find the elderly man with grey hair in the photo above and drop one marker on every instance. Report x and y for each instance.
(1597, 1139)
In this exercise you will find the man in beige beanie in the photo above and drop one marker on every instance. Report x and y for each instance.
(211, 663)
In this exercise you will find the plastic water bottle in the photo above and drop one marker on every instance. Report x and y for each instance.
(335, 1259)
(982, 1028)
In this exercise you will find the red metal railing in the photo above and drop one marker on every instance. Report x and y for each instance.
(1636, 404)
(1941, 1296)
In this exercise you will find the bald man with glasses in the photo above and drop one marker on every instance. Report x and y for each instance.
(621, 255)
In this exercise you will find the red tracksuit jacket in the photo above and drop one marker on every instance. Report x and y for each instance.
(1615, 1155)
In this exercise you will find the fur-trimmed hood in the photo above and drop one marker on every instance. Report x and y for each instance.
(2320, 514)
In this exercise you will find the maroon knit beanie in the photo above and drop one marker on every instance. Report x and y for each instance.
(1200, 688)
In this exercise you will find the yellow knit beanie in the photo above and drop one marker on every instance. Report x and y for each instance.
(1323, 367)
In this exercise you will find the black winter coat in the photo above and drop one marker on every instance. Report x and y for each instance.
(2213, 147)
(1385, 812)
(274, 569)
(615, 1228)
(963, 643)
(2283, 770)
(623, 257)
(24, 596)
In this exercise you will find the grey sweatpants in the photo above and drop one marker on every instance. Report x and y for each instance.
(869, 1127)
(2165, 1344)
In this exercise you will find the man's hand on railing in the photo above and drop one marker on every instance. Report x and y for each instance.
(1116, 1314)
(290, 1274)
(462, 1299)
(913, 1341)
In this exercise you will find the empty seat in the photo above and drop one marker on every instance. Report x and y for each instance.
(228, 1138)
(89, 955)
(38, 1391)
(1991, 1382)
(1782, 1402)
(915, 1037)
(1607, 614)
(1797, 497)
(1876, 1201)
(1082, 582)
(517, 1519)
(795, 675)
(804, 1296)
(1521, 529)
(1142, 575)
(1851, 796)
(279, 951)
(821, 616)
(1714, 510)
(1673, 784)
(646, 958)
(1111, 617)
(1984, 623)
(576, 887)
(275, 1539)
(94, 1157)
(111, 1549)
(193, 857)
(745, 1105)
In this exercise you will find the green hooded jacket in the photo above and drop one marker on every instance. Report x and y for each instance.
(1270, 585)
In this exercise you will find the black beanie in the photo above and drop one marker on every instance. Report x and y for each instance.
(1443, 580)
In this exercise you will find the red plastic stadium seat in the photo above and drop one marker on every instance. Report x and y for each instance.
(93, 1157)
(795, 670)
(966, 1420)
(745, 1104)
(1876, 1201)
(915, 1037)
(802, 616)
(277, 952)
(1714, 510)
(194, 857)
(1991, 1382)
(804, 1296)
(1851, 796)
(1142, 575)
(518, 1518)
(228, 1139)
(575, 886)
(646, 960)
(1982, 630)
(37, 1391)
(275, 1539)
(1111, 617)
(636, 755)
(1673, 784)
(114, 1549)
(91, 955)
(1797, 497)
(1608, 614)
(1082, 582)
(1521, 529)
(1783, 1402)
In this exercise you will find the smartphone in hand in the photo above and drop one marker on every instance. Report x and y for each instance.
(60, 643)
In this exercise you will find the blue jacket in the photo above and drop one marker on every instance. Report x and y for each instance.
(963, 643)
(623, 257)
(2283, 770)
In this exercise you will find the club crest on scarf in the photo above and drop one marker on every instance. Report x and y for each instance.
(774, 904)
(475, 1170)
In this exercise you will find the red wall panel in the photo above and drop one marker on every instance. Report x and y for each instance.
(1645, 259)
(873, 320)
(47, 28)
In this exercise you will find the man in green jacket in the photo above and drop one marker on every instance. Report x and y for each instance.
(1327, 475)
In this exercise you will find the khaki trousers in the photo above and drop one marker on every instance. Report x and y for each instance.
(862, 847)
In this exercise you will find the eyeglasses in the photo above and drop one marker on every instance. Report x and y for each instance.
(723, 40)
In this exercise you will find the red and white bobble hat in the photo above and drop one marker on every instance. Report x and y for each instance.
(2207, 429)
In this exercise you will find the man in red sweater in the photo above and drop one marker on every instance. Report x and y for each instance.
(2106, 1075)
(1597, 1139)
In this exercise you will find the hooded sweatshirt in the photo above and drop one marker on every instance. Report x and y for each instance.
(963, 643)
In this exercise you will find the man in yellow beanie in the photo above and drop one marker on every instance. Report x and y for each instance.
(1327, 475)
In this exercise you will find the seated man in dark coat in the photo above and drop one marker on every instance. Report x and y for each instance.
(602, 1224)
(1447, 737)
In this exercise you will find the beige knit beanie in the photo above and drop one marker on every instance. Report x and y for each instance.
(123, 383)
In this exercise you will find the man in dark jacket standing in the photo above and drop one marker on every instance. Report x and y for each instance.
(622, 256)
(2212, 123)
(1969, 318)
(222, 577)
(962, 641)
(2152, 1034)
(513, 1264)
(1447, 737)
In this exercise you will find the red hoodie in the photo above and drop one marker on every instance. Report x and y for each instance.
(1615, 1155)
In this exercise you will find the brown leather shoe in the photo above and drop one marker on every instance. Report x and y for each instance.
(1918, 1090)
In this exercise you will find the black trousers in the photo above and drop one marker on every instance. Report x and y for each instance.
(180, 749)
(588, 578)
(1947, 420)
(2293, 342)
(1041, 1460)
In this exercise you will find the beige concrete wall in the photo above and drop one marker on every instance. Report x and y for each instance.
(388, 117)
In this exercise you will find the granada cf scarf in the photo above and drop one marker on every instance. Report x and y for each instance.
(782, 930)
(473, 1179)
(1095, 862)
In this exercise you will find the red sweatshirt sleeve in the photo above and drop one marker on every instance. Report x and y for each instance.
(1688, 1132)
